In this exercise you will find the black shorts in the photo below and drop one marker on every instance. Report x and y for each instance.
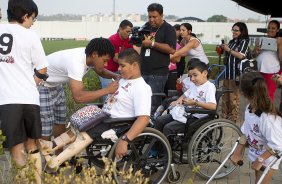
(96, 131)
(19, 122)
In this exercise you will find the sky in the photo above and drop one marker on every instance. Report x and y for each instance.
(202, 9)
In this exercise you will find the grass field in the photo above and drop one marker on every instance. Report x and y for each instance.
(91, 81)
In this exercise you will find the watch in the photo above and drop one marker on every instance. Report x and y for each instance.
(152, 44)
(125, 138)
(260, 159)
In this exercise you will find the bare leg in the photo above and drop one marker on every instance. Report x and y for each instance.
(268, 177)
(34, 154)
(73, 149)
(36, 158)
(18, 154)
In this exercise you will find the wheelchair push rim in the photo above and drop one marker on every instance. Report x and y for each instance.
(139, 157)
(210, 145)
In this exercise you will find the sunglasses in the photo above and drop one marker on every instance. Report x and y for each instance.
(235, 30)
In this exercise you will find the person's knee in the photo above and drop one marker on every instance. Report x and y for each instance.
(167, 130)
(31, 144)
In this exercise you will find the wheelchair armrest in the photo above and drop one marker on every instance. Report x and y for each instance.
(174, 93)
(99, 104)
(198, 111)
(120, 120)
(159, 94)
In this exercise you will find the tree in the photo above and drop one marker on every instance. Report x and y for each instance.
(217, 18)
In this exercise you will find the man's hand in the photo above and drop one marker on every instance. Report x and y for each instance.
(147, 41)
(121, 149)
(112, 87)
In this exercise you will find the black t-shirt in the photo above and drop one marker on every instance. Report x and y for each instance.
(157, 63)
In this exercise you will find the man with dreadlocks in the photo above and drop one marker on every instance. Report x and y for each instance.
(69, 67)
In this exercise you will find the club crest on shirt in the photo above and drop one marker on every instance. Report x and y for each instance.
(125, 88)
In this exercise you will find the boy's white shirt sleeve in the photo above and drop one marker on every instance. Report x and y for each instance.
(271, 128)
(38, 56)
(142, 100)
(210, 93)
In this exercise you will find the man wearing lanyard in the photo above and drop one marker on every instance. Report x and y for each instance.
(155, 52)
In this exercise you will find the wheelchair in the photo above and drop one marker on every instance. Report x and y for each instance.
(204, 144)
(139, 155)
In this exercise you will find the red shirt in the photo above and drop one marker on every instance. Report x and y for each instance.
(119, 46)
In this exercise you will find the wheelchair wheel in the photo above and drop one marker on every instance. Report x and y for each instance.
(210, 145)
(140, 157)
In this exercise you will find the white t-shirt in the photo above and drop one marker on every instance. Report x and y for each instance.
(198, 52)
(65, 64)
(262, 131)
(20, 52)
(203, 93)
(268, 62)
(132, 99)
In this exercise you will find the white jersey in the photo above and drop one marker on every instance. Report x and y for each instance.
(132, 99)
(203, 93)
(260, 131)
(20, 52)
(65, 64)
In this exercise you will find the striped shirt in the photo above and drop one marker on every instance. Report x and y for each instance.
(231, 62)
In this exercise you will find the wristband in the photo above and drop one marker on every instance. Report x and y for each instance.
(242, 140)
(40, 75)
(260, 159)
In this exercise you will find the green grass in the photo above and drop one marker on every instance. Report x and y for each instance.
(56, 45)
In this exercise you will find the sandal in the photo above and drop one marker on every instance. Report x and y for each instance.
(48, 147)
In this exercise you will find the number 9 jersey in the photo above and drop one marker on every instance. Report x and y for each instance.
(20, 52)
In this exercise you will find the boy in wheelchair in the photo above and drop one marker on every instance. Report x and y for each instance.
(132, 99)
(200, 93)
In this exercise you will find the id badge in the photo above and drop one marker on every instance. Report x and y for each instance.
(147, 52)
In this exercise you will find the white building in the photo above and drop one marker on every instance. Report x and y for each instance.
(209, 32)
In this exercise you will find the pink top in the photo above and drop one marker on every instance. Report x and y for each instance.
(172, 66)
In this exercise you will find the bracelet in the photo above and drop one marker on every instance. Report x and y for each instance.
(153, 43)
(196, 103)
(271, 151)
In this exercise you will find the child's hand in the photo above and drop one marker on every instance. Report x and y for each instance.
(188, 101)
(235, 159)
(256, 165)
(174, 103)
